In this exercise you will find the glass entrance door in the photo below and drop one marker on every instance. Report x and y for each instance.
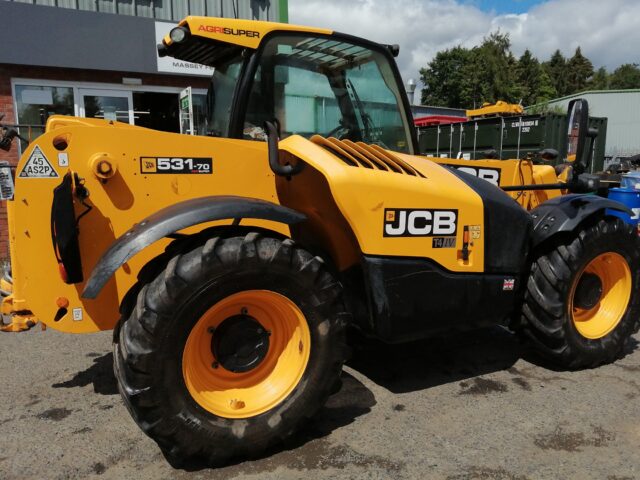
(107, 104)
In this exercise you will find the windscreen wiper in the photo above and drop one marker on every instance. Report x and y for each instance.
(364, 116)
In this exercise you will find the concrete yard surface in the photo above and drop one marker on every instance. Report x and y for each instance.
(477, 405)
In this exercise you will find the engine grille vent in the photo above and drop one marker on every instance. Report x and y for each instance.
(359, 154)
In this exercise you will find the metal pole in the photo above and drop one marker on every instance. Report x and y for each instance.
(519, 130)
(501, 135)
(475, 135)
(450, 139)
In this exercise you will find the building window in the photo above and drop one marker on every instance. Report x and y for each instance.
(156, 108)
(35, 105)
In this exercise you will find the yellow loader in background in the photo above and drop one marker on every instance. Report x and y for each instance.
(531, 181)
(229, 265)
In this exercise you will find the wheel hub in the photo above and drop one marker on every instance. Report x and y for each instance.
(240, 343)
(588, 291)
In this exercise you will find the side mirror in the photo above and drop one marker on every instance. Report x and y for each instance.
(577, 131)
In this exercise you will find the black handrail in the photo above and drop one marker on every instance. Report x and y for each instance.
(274, 156)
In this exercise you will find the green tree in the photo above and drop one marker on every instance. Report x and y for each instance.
(466, 78)
(625, 76)
(527, 77)
(579, 72)
(444, 78)
(556, 68)
(600, 80)
(490, 74)
(532, 81)
(546, 90)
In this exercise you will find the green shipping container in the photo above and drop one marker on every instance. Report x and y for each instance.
(509, 137)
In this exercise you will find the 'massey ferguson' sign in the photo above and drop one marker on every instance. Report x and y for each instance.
(173, 65)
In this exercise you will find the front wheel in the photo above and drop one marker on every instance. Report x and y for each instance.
(231, 347)
(582, 301)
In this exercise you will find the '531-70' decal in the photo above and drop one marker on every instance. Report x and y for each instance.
(174, 165)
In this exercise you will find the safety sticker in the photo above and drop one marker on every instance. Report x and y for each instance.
(6, 182)
(508, 284)
(77, 314)
(190, 165)
(38, 166)
(475, 231)
(63, 159)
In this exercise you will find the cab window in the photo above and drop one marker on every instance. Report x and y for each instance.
(314, 85)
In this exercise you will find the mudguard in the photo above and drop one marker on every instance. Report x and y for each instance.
(178, 217)
(565, 213)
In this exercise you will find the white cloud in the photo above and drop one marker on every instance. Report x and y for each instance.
(607, 31)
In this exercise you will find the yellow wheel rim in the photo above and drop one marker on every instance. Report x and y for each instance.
(614, 274)
(246, 394)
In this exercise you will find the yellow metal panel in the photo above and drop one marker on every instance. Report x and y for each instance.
(512, 173)
(544, 174)
(363, 194)
(239, 168)
(246, 33)
(499, 108)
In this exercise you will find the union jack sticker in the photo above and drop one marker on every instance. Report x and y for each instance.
(508, 284)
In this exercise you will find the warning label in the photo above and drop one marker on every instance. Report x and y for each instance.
(6, 182)
(38, 166)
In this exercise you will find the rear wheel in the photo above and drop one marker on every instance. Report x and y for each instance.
(582, 302)
(231, 347)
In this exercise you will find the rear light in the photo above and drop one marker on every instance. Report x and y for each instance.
(63, 273)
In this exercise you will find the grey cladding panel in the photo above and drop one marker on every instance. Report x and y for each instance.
(60, 37)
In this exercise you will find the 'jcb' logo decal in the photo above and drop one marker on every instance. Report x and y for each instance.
(491, 175)
(405, 222)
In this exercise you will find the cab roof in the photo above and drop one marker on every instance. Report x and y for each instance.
(244, 33)
(211, 39)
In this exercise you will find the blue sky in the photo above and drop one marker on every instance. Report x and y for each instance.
(501, 7)
(606, 30)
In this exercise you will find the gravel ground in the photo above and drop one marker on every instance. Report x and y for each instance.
(474, 406)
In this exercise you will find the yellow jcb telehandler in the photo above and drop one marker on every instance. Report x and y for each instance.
(230, 264)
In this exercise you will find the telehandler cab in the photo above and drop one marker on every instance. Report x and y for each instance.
(237, 259)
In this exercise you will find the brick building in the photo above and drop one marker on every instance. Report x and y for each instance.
(97, 58)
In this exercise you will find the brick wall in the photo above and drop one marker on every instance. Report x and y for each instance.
(6, 107)
(7, 72)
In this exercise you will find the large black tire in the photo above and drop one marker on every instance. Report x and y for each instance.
(148, 351)
(547, 311)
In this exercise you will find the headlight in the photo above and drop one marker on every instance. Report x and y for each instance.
(178, 34)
